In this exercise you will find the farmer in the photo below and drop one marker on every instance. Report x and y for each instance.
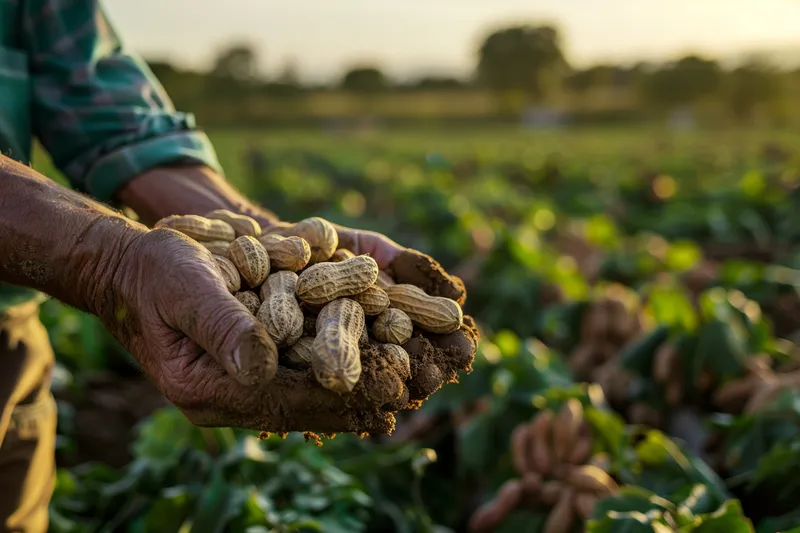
(95, 107)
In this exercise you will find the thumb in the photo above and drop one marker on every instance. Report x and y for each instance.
(225, 329)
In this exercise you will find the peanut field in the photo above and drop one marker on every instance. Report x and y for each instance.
(638, 370)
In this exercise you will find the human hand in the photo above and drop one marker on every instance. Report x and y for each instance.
(167, 304)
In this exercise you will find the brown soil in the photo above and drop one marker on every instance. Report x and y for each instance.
(423, 271)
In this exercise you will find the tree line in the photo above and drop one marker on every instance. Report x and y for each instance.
(524, 64)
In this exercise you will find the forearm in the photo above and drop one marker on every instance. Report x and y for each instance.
(181, 190)
(58, 241)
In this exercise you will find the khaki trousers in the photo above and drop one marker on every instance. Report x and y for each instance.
(27, 421)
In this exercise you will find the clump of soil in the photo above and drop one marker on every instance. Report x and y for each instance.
(435, 359)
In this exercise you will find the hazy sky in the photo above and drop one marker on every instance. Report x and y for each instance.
(408, 36)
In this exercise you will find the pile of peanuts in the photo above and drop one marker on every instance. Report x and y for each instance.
(315, 299)
(552, 455)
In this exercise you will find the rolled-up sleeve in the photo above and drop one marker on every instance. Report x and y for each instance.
(97, 108)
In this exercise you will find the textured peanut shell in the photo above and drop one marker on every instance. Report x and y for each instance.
(241, 224)
(325, 282)
(280, 313)
(286, 253)
(342, 254)
(374, 300)
(393, 326)
(364, 339)
(384, 280)
(229, 273)
(318, 232)
(299, 355)
(198, 228)
(562, 517)
(431, 313)
(251, 260)
(337, 359)
(399, 360)
(217, 247)
(250, 300)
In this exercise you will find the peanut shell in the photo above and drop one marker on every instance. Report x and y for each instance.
(251, 260)
(229, 273)
(241, 224)
(374, 300)
(393, 326)
(337, 359)
(325, 282)
(431, 313)
(250, 300)
(286, 253)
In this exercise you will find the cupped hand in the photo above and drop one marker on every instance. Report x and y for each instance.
(211, 358)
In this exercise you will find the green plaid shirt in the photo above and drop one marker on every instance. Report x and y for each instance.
(67, 80)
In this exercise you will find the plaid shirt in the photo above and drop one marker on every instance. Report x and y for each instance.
(66, 79)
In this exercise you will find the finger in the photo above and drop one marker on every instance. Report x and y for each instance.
(416, 268)
(209, 315)
(292, 401)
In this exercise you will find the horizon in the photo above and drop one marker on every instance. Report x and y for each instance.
(322, 41)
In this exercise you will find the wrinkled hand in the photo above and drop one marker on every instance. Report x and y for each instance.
(210, 356)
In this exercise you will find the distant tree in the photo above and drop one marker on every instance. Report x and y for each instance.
(526, 59)
(238, 62)
(752, 84)
(682, 82)
(364, 79)
(289, 74)
(438, 83)
(582, 81)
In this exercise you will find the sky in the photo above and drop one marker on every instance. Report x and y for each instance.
(415, 37)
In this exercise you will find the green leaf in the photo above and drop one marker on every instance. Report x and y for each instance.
(628, 522)
(729, 518)
(631, 498)
(638, 356)
(214, 509)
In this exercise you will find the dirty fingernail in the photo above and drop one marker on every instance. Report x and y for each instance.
(256, 358)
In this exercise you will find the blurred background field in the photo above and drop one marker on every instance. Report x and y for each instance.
(668, 187)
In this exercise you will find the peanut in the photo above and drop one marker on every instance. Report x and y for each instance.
(581, 447)
(342, 254)
(364, 339)
(286, 253)
(217, 247)
(590, 478)
(374, 300)
(584, 504)
(251, 260)
(250, 300)
(325, 282)
(398, 360)
(393, 326)
(384, 280)
(300, 354)
(241, 224)
(198, 228)
(562, 516)
(520, 441)
(431, 313)
(280, 312)
(532, 484)
(540, 441)
(229, 273)
(551, 491)
(491, 514)
(566, 426)
(318, 232)
(337, 359)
